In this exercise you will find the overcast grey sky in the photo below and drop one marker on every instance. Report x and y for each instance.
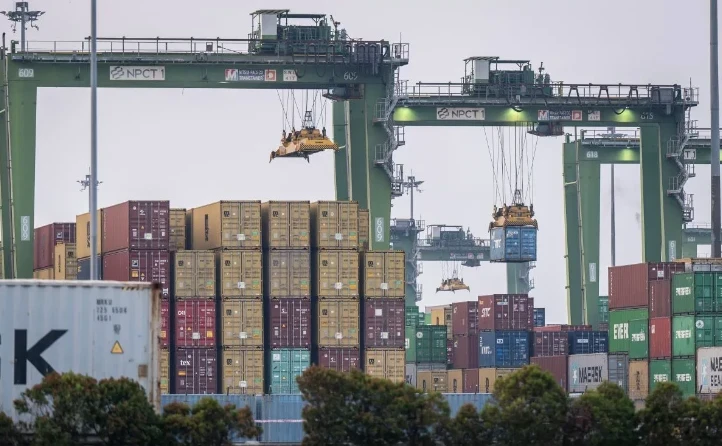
(197, 146)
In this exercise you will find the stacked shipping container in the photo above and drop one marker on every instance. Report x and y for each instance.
(55, 254)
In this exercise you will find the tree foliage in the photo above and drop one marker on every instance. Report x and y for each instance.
(604, 416)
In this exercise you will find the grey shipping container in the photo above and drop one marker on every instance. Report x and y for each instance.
(619, 370)
(101, 329)
(411, 374)
(587, 372)
(709, 370)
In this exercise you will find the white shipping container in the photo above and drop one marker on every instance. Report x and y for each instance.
(100, 329)
(587, 372)
(709, 370)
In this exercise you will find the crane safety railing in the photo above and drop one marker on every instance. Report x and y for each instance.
(612, 93)
(455, 244)
(340, 49)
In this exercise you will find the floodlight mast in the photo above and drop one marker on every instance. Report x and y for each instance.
(24, 16)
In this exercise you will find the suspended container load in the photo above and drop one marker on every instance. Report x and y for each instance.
(513, 234)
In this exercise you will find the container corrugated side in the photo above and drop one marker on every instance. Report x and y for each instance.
(285, 365)
(288, 273)
(242, 322)
(242, 372)
(336, 274)
(629, 284)
(240, 274)
(44, 240)
(364, 226)
(136, 225)
(82, 234)
(709, 370)
(139, 266)
(639, 339)
(588, 342)
(164, 372)
(465, 352)
(334, 224)
(287, 224)
(465, 317)
(384, 274)
(410, 378)
(587, 372)
(683, 374)
(281, 418)
(339, 359)
(165, 332)
(289, 323)
(195, 323)
(619, 333)
(660, 337)
(177, 224)
(338, 323)
(194, 274)
(509, 349)
(196, 371)
(84, 267)
(429, 344)
(638, 380)
(505, 312)
(539, 317)
(443, 316)
(80, 323)
(556, 366)
(226, 224)
(488, 376)
(619, 370)
(660, 371)
(450, 352)
(384, 323)
(471, 380)
(660, 298)
(387, 364)
(550, 343)
(432, 381)
(563, 328)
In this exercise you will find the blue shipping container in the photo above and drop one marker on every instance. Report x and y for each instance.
(513, 244)
(588, 342)
(84, 268)
(284, 366)
(540, 318)
(507, 349)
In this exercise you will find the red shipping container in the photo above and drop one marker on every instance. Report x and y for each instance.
(506, 312)
(450, 352)
(384, 323)
(562, 328)
(660, 337)
(139, 266)
(196, 371)
(660, 298)
(464, 318)
(556, 366)
(466, 351)
(44, 240)
(471, 380)
(136, 225)
(195, 323)
(551, 343)
(339, 359)
(290, 323)
(629, 284)
(164, 323)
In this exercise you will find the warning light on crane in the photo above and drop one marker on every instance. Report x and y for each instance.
(514, 232)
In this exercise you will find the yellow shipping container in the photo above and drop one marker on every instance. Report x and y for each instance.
(384, 274)
(364, 225)
(43, 274)
(226, 224)
(335, 224)
(82, 234)
(638, 380)
(241, 274)
(178, 240)
(195, 274)
(242, 322)
(487, 378)
(287, 224)
(387, 364)
(432, 381)
(242, 372)
(337, 274)
(66, 262)
(441, 315)
(338, 323)
(164, 372)
(289, 273)
(455, 381)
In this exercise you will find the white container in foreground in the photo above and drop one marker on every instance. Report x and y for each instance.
(587, 372)
(101, 329)
(709, 370)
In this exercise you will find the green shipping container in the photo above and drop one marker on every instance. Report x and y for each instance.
(695, 292)
(692, 332)
(684, 375)
(412, 316)
(426, 343)
(639, 339)
(619, 333)
(427, 318)
(660, 371)
(284, 366)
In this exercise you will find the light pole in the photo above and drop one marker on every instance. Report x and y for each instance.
(714, 153)
(23, 15)
(93, 141)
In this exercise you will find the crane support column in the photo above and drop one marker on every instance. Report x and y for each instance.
(589, 185)
(369, 184)
(341, 159)
(5, 225)
(18, 208)
(517, 278)
(573, 231)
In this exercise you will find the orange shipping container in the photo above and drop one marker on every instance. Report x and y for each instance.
(335, 224)
(287, 224)
(226, 224)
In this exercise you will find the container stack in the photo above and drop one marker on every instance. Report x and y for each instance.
(442, 315)
(539, 317)
(82, 245)
(505, 322)
(287, 251)
(426, 357)
(638, 297)
(336, 285)
(55, 254)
